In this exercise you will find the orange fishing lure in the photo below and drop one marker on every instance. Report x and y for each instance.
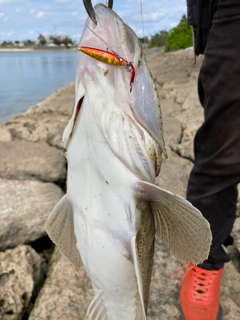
(110, 57)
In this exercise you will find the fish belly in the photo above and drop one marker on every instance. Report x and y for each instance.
(106, 217)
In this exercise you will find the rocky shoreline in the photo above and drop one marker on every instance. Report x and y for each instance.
(36, 282)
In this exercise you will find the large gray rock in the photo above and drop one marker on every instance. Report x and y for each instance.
(36, 127)
(27, 161)
(64, 295)
(24, 208)
(19, 274)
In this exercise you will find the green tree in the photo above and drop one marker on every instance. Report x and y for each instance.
(29, 43)
(67, 41)
(56, 40)
(6, 44)
(144, 39)
(42, 40)
(159, 39)
(179, 37)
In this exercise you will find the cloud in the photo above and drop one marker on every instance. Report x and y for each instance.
(32, 11)
(155, 16)
(2, 14)
(39, 15)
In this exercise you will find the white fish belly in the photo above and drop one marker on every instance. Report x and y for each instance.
(105, 216)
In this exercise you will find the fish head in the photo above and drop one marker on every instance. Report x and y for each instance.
(112, 36)
(114, 82)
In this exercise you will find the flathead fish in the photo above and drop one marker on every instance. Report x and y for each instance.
(112, 209)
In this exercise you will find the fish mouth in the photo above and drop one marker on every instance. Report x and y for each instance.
(90, 11)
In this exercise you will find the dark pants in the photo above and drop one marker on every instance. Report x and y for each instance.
(212, 186)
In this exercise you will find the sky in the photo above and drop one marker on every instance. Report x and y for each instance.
(26, 19)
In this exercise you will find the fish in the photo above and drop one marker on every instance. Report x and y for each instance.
(113, 210)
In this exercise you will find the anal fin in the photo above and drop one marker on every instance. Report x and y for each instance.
(141, 314)
(178, 223)
(96, 309)
(60, 228)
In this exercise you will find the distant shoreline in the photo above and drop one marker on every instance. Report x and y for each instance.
(37, 49)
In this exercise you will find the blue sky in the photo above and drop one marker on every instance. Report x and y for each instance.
(26, 19)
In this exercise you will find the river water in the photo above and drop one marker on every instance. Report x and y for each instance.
(27, 78)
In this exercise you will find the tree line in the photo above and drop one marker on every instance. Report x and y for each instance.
(57, 40)
(177, 38)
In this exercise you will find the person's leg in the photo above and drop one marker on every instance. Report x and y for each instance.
(216, 198)
(212, 185)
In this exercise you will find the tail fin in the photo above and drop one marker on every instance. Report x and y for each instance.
(181, 226)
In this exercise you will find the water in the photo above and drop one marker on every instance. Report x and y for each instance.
(27, 78)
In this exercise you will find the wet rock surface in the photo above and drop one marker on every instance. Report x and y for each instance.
(37, 284)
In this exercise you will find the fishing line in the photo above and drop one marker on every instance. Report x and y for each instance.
(100, 38)
(141, 13)
(108, 47)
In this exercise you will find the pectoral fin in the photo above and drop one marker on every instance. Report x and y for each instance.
(181, 226)
(60, 229)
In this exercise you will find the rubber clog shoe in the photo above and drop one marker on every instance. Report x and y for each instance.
(199, 295)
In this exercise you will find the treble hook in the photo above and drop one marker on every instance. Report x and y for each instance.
(89, 8)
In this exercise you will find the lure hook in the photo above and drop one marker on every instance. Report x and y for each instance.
(90, 11)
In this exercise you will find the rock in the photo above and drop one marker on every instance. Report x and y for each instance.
(238, 204)
(24, 208)
(172, 130)
(191, 101)
(174, 174)
(164, 290)
(47, 127)
(45, 121)
(19, 274)
(64, 295)
(23, 160)
(236, 233)
(185, 148)
(230, 293)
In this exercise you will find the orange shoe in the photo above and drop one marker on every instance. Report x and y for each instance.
(199, 295)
